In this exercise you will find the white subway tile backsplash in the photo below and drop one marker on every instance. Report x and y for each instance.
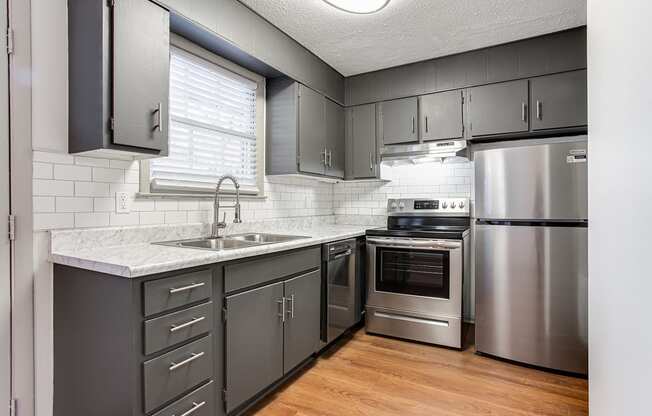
(91, 189)
(108, 175)
(41, 170)
(92, 162)
(123, 164)
(176, 217)
(91, 219)
(132, 176)
(72, 173)
(104, 204)
(132, 218)
(43, 204)
(51, 157)
(149, 218)
(167, 205)
(53, 221)
(45, 187)
(74, 204)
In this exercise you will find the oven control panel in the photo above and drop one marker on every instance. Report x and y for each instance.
(441, 206)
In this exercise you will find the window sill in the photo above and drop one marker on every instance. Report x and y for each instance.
(200, 196)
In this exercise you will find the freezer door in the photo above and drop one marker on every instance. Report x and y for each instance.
(532, 295)
(532, 180)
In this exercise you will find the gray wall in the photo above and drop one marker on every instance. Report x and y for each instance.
(620, 340)
(558, 52)
(259, 38)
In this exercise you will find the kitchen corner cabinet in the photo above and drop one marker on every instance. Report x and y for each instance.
(399, 121)
(499, 108)
(441, 116)
(305, 131)
(559, 101)
(119, 59)
(361, 142)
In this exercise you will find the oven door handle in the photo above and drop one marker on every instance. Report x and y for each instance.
(420, 244)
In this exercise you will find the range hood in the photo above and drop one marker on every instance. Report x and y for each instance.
(425, 152)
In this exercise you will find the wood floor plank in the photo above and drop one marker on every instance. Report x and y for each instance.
(369, 375)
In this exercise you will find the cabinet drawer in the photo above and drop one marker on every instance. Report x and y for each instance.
(176, 372)
(177, 327)
(200, 402)
(172, 292)
(252, 273)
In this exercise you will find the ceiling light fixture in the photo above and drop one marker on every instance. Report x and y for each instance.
(358, 6)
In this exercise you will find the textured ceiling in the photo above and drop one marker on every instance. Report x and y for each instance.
(414, 30)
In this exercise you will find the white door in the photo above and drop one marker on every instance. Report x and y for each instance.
(5, 267)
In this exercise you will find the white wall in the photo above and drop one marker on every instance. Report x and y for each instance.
(620, 198)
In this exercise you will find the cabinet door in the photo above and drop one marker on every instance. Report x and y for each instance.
(362, 135)
(559, 101)
(254, 342)
(335, 139)
(399, 121)
(440, 116)
(499, 108)
(303, 320)
(312, 134)
(141, 70)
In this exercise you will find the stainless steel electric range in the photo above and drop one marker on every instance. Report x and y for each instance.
(415, 270)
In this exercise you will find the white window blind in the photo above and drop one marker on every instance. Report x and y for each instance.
(212, 127)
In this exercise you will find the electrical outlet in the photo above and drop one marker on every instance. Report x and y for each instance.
(122, 202)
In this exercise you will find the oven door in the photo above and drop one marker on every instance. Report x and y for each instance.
(415, 274)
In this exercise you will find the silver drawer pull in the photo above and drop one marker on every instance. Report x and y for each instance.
(193, 357)
(175, 328)
(184, 288)
(195, 407)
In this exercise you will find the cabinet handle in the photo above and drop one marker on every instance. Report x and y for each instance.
(195, 406)
(185, 288)
(175, 328)
(282, 314)
(523, 111)
(371, 162)
(412, 124)
(324, 156)
(539, 108)
(426, 124)
(330, 158)
(159, 117)
(193, 357)
(291, 311)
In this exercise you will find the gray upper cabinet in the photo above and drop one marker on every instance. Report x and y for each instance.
(335, 139)
(141, 62)
(399, 121)
(118, 89)
(559, 101)
(254, 342)
(302, 326)
(361, 141)
(312, 131)
(440, 116)
(499, 108)
(305, 131)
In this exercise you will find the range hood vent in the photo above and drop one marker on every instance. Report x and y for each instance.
(425, 152)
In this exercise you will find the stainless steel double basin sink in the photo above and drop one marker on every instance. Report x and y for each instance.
(231, 242)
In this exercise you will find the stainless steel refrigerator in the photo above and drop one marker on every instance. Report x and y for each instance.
(530, 233)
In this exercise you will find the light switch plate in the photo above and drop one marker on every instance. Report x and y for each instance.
(122, 203)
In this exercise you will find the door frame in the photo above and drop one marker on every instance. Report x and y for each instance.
(5, 207)
(22, 261)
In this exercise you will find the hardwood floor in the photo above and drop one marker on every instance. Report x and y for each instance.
(371, 375)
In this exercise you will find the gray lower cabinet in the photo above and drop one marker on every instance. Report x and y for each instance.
(132, 347)
(361, 142)
(499, 108)
(559, 101)
(302, 322)
(440, 116)
(399, 121)
(305, 131)
(119, 88)
(254, 342)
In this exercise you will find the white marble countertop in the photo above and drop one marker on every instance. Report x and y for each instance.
(133, 259)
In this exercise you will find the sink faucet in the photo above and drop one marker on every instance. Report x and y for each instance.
(220, 225)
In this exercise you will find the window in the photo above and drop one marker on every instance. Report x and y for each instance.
(216, 124)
